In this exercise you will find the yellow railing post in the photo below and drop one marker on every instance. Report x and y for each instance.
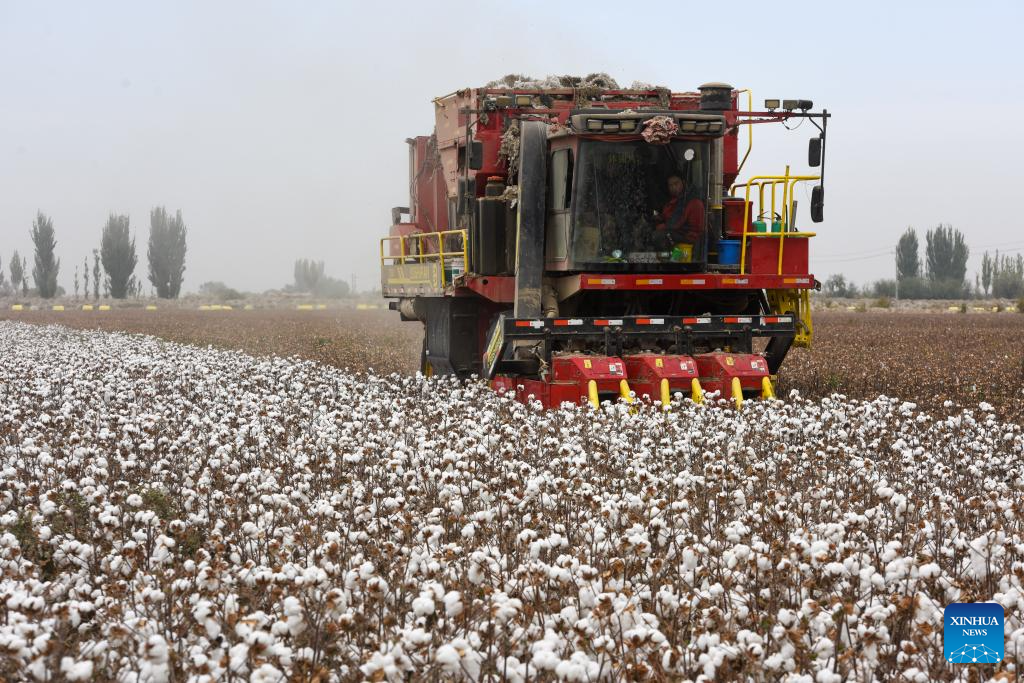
(440, 251)
(746, 220)
(785, 218)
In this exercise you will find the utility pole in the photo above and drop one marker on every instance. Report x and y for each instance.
(896, 260)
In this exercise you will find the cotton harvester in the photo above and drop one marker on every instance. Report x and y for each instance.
(580, 243)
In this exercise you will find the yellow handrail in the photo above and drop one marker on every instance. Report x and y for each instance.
(420, 256)
(788, 182)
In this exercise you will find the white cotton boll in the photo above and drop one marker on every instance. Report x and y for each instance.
(423, 606)
(448, 657)
(239, 658)
(266, 673)
(545, 660)
(929, 571)
(154, 667)
(453, 606)
(292, 609)
(76, 671)
(835, 569)
(134, 500)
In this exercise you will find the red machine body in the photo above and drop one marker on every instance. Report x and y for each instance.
(647, 370)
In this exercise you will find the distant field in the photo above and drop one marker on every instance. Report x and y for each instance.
(924, 357)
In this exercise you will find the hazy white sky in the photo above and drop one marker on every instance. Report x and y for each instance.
(278, 127)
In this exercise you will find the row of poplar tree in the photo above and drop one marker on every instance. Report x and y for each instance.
(943, 273)
(113, 264)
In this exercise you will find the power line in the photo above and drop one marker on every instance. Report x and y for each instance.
(862, 252)
(841, 259)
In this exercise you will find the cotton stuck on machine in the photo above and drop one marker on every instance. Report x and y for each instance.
(578, 243)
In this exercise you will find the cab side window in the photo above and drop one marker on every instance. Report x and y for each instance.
(560, 180)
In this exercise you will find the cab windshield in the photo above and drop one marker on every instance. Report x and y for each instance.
(640, 203)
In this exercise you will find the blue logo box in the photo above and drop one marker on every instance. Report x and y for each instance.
(973, 633)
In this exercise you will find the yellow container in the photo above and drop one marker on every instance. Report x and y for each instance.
(682, 253)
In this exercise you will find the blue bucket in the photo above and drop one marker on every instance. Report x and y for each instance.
(728, 251)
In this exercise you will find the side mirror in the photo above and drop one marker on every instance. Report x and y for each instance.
(814, 152)
(476, 155)
(818, 204)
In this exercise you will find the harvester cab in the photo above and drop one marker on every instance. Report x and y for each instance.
(578, 243)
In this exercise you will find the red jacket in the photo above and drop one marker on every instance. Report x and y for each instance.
(689, 223)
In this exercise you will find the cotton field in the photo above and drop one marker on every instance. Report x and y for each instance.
(174, 513)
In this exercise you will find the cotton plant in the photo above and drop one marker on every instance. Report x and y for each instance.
(170, 512)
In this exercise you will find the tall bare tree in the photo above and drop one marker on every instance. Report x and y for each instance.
(117, 250)
(17, 272)
(96, 274)
(946, 254)
(987, 269)
(908, 259)
(166, 252)
(47, 265)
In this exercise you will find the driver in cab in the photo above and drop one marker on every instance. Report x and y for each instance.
(680, 220)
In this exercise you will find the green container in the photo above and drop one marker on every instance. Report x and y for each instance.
(760, 226)
(777, 226)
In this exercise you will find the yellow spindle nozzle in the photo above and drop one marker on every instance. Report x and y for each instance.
(666, 395)
(624, 391)
(767, 390)
(737, 392)
(696, 391)
(592, 394)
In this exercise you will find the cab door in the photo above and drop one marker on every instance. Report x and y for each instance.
(559, 216)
